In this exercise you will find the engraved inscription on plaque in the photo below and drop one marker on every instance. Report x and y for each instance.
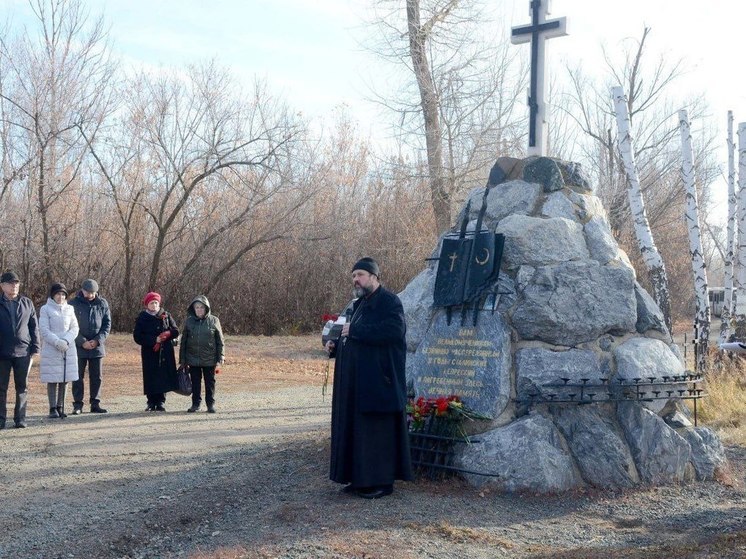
(470, 362)
(454, 363)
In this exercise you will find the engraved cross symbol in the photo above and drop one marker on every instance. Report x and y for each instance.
(453, 258)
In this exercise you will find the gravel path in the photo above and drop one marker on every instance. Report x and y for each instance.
(251, 481)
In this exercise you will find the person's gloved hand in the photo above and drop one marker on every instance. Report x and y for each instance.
(162, 337)
(61, 345)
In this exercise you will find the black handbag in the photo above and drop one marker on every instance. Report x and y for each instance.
(184, 381)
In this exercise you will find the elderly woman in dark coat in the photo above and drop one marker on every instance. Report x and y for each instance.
(155, 332)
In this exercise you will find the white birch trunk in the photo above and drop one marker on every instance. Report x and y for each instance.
(740, 311)
(648, 250)
(691, 216)
(728, 282)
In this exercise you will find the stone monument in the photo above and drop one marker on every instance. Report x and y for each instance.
(567, 353)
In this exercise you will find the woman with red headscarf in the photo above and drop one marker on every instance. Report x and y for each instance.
(155, 333)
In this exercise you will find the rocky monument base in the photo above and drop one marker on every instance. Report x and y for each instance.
(569, 354)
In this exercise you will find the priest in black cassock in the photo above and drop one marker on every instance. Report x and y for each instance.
(370, 444)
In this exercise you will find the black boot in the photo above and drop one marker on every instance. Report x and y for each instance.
(61, 412)
(53, 413)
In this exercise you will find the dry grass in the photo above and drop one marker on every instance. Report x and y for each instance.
(724, 408)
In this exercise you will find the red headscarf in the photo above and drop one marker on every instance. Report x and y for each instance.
(152, 296)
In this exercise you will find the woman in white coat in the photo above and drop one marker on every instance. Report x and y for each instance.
(59, 358)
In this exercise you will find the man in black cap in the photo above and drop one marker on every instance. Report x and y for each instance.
(94, 321)
(19, 342)
(370, 444)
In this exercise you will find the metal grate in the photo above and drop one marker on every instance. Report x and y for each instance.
(433, 447)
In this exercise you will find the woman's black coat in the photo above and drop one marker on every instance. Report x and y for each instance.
(158, 367)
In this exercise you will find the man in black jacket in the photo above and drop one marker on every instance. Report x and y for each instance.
(19, 342)
(94, 321)
(370, 443)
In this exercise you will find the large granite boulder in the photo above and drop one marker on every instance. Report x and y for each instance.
(601, 243)
(557, 204)
(527, 455)
(512, 197)
(649, 315)
(544, 171)
(575, 302)
(645, 357)
(506, 169)
(588, 204)
(708, 454)
(661, 455)
(536, 367)
(535, 241)
(574, 176)
(417, 300)
(598, 446)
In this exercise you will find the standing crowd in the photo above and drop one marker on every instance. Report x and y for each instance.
(70, 334)
(369, 433)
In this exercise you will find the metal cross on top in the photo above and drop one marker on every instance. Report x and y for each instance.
(539, 30)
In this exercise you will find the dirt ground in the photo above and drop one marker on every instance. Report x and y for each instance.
(251, 482)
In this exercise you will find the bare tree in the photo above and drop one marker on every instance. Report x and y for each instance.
(460, 93)
(197, 133)
(124, 168)
(61, 80)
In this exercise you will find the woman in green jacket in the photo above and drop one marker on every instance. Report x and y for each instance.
(202, 351)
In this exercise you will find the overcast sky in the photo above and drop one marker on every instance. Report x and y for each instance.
(308, 50)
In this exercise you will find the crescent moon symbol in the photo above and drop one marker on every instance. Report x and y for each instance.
(486, 258)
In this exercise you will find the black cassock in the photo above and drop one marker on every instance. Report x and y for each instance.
(370, 444)
(158, 367)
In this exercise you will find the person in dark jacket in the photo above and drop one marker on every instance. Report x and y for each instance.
(370, 442)
(155, 332)
(94, 321)
(19, 342)
(202, 351)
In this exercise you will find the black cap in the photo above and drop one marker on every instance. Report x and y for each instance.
(367, 264)
(9, 277)
(56, 288)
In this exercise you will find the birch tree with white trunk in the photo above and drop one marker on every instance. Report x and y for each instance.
(691, 216)
(648, 250)
(740, 309)
(729, 276)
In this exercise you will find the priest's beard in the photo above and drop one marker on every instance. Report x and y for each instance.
(359, 291)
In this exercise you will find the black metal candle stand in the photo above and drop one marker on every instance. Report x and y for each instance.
(640, 389)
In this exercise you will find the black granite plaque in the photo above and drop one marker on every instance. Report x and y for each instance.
(471, 362)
